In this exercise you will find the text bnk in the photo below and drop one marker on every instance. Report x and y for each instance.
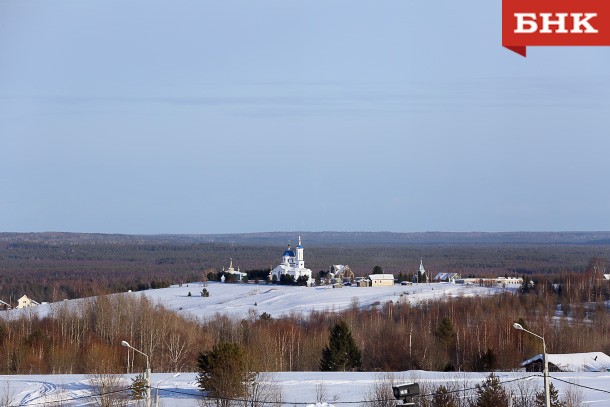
(555, 23)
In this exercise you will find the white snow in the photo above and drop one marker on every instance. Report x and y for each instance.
(297, 387)
(239, 300)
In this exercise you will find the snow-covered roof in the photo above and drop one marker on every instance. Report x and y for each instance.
(381, 276)
(576, 362)
(446, 276)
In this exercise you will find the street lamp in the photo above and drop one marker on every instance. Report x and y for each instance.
(127, 345)
(157, 393)
(547, 395)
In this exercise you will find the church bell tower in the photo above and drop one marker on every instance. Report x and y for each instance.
(300, 260)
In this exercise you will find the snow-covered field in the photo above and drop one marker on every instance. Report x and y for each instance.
(239, 300)
(298, 388)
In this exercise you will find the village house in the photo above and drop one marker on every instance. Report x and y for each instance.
(4, 305)
(503, 282)
(362, 282)
(25, 302)
(381, 280)
(446, 277)
(570, 362)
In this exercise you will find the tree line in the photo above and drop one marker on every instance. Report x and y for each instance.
(49, 271)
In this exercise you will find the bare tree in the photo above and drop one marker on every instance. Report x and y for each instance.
(524, 393)
(379, 394)
(573, 396)
(264, 391)
(177, 346)
(109, 390)
(321, 392)
(6, 394)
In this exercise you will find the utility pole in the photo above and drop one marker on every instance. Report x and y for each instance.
(547, 394)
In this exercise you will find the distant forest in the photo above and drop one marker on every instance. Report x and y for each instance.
(55, 266)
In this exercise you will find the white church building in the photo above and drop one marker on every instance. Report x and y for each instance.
(292, 265)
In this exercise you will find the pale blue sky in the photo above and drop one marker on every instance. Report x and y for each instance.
(242, 116)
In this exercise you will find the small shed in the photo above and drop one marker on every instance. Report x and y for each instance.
(381, 280)
(362, 283)
(570, 362)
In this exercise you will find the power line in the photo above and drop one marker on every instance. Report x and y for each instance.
(299, 403)
(479, 386)
(580, 385)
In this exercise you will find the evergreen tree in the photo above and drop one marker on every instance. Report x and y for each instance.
(486, 362)
(445, 332)
(138, 387)
(302, 281)
(287, 279)
(442, 398)
(554, 396)
(445, 335)
(491, 393)
(341, 354)
(377, 270)
(223, 372)
(526, 287)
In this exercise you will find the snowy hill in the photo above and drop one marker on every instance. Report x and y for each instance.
(241, 300)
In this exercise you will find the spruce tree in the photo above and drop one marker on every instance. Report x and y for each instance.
(554, 396)
(442, 398)
(223, 372)
(138, 387)
(491, 393)
(341, 354)
(445, 332)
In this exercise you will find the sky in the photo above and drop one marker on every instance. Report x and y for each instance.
(146, 117)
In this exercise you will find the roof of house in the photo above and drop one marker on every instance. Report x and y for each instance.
(382, 276)
(446, 276)
(576, 362)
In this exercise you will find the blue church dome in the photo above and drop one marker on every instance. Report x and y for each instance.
(288, 253)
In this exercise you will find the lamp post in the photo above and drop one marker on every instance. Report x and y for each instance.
(157, 392)
(127, 345)
(547, 395)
